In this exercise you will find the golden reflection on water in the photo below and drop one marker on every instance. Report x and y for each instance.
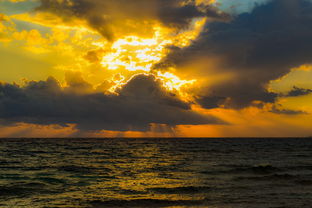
(145, 168)
(77, 174)
(149, 173)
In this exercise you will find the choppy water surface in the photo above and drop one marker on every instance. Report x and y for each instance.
(96, 173)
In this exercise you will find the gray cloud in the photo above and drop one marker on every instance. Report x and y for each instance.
(255, 48)
(286, 111)
(296, 91)
(140, 102)
(101, 15)
(210, 102)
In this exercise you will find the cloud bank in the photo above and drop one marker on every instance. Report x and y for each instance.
(254, 48)
(110, 17)
(141, 102)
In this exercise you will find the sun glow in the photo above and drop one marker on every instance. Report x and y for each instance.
(134, 53)
(139, 54)
(169, 81)
(172, 82)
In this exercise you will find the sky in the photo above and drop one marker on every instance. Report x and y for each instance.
(156, 68)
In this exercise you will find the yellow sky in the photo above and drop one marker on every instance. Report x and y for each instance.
(37, 45)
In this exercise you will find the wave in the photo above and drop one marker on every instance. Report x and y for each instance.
(258, 169)
(143, 203)
(181, 190)
(52, 181)
(22, 189)
(300, 167)
(131, 192)
(273, 177)
(304, 182)
(16, 177)
(76, 169)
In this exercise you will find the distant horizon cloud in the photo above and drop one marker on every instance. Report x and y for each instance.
(134, 108)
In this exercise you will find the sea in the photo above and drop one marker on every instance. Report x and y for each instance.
(156, 172)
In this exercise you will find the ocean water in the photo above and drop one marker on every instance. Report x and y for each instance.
(143, 173)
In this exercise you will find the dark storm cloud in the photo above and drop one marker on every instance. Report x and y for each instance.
(140, 102)
(255, 48)
(210, 102)
(101, 14)
(171, 14)
(296, 91)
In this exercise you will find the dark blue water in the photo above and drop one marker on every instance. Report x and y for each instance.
(213, 173)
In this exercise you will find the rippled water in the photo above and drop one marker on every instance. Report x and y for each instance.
(96, 173)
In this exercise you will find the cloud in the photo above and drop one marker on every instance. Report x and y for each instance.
(141, 102)
(286, 111)
(17, 0)
(296, 91)
(254, 48)
(210, 102)
(7, 27)
(108, 17)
